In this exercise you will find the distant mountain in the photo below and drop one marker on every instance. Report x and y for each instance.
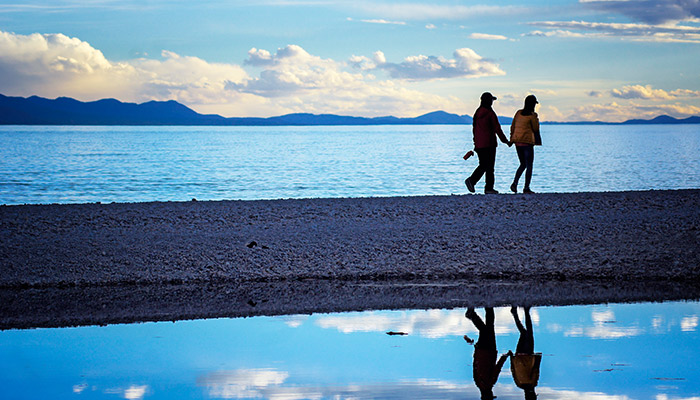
(664, 119)
(66, 111)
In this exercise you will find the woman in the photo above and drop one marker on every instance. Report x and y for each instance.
(525, 133)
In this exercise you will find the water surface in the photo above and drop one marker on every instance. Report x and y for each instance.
(55, 164)
(616, 352)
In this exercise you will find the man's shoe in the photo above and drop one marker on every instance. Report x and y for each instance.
(470, 185)
(514, 188)
(490, 191)
(528, 191)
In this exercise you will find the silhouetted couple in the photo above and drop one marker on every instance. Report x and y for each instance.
(524, 364)
(524, 133)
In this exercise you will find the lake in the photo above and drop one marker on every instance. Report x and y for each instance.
(78, 164)
(601, 352)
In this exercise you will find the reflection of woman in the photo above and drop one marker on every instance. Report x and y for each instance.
(486, 368)
(525, 133)
(525, 364)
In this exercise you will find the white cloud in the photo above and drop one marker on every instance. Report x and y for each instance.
(430, 26)
(383, 22)
(422, 12)
(641, 92)
(55, 65)
(615, 112)
(652, 11)
(601, 30)
(486, 36)
(290, 80)
(465, 64)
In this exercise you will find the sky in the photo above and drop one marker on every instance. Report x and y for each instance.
(585, 60)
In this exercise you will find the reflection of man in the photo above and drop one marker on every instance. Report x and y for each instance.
(525, 364)
(486, 368)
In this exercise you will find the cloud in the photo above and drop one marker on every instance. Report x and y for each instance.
(422, 12)
(383, 22)
(486, 36)
(290, 80)
(57, 65)
(649, 93)
(465, 64)
(650, 11)
(601, 30)
(558, 33)
(640, 92)
(430, 26)
(614, 112)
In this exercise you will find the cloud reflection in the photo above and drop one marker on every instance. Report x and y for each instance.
(271, 384)
(135, 392)
(242, 383)
(605, 326)
(689, 324)
(430, 323)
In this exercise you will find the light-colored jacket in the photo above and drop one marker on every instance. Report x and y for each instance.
(524, 127)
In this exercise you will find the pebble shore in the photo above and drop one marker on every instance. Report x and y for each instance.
(97, 263)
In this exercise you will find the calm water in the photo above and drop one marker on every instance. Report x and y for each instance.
(87, 164)
(602, 352)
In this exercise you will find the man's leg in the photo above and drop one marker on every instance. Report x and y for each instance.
(481, 168)
(489, 166)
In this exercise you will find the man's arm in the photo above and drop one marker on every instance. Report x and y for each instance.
(497, 128)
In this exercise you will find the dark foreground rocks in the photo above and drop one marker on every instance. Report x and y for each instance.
(101, 263)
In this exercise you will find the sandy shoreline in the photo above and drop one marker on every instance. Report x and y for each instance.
(100, 263)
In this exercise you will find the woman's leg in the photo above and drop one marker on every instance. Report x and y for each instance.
(522, 166)
(529, 159)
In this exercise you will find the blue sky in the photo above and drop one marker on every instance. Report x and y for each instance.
(585, 60)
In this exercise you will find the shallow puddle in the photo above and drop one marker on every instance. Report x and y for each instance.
(616, 351)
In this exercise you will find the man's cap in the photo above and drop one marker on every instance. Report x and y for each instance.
(487, 96)
(532, 98)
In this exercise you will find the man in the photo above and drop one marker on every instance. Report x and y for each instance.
(485, 128)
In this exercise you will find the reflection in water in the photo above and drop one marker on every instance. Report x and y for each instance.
(525, 363)
(486, 368)
(616, 356)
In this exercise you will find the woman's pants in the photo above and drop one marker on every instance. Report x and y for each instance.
(526, 155)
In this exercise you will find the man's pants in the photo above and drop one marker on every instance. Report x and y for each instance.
(487, 162)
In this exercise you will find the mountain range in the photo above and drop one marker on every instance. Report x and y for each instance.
(36, 110)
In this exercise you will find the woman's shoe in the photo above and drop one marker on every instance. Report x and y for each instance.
(528, 191)
(514, 188)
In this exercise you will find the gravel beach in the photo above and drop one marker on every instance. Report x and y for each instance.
(83, 264)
